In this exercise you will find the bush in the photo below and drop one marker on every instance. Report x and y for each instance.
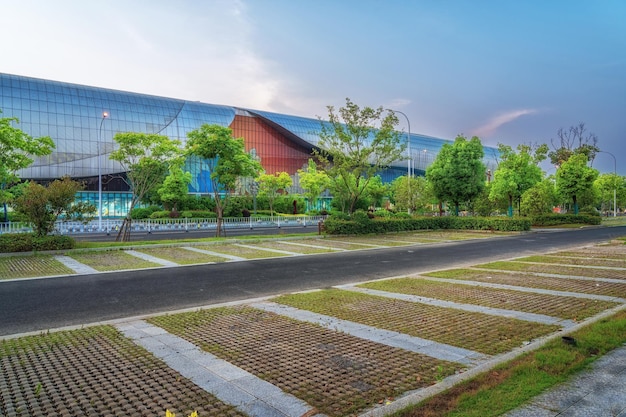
(361, 224)
(27, 242)
(160, 214)
(143, 212)
(198, 214)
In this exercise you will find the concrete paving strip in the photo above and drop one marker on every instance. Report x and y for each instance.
(284, 252)
(528, 289)
(598, 391)
(230, 384)
(78, 267)
(286, 242)
(362, 244)
(151, 258)
(208, 252)
(544, 274)
(520, 315)
(385, 337)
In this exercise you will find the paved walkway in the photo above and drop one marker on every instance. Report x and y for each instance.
(597, 392)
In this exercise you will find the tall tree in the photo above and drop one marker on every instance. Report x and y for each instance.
(611, 189)
(353, 150)
(458, 174)
(414, 196)
(575, 179)
(517, 172)
(145, 158)
(17, 150)
(271, 186)
(226, 159)
(540, 198)
(313, 182)
(574, 140)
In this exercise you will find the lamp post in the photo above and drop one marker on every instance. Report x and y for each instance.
(104, 116)
(614, 184)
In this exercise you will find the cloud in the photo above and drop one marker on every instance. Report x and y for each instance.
(492, 125)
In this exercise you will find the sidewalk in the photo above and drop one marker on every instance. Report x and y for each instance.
(597, 392)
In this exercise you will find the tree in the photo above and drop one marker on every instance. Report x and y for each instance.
(175, 187)
(226, 158)
(575, 179)
(414, 196)
(611, 189)
(17, 150)
(575, 140)
(540, 198)
(458, 174)
(313, 182)
(145, 158)
(353, 150)
(517, 172)
(42, 206)
(271, 186)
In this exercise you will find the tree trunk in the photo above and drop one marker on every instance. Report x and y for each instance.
(510, 205)
(575, 205)
(124, 234)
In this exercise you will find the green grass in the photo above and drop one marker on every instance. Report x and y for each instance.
(514, 383)
(111, 261)
(12, 267)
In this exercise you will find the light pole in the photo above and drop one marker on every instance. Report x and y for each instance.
(614, 184)
(104, 116)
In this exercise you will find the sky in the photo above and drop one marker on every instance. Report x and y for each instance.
(507, 71)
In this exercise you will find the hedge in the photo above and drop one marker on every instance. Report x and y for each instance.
(558, 219)
(28, 242)
(361, 224)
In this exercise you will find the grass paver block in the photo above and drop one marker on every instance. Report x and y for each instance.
(181, 256)
(564, 307)
(242, 252)
(293, 248)
(111, 260)
(12, 267)
(555, 269)
(580, 260)
(94, 372)
(475, 331)
(337, 373)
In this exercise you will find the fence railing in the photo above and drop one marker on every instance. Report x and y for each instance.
(167, 225)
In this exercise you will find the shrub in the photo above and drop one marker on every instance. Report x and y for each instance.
(27, 242)
(160, 214)
(198, 214)
(559, 219)
(143, 212)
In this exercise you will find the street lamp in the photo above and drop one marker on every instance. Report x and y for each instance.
(614, 184)
(104, 116)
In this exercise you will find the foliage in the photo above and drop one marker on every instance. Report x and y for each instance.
(27, 242)
(42, 206)
(413, 194)
(539, 199)
(271, 186)
(575, 140)
(284, 204)
(226, 158)
(517, 172)
(235, 205)
(560, 219)
(362, 224)
(145, 158)
(458, 174)
(144, 212)
(608, 187)
(17, 150)
(353, 150)
(575, 179)
(175, 187)
(313, 182)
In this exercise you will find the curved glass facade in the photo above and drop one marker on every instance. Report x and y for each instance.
(72, 115)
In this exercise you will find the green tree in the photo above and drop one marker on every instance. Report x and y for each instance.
(42, 206)
(575, 140)
(175, 187)
(611, 190)
(226, 158)
(458, 174)
(517, 172)
(540, 198)
(353, 150)
(271, 186)
(415, 196)
(146, 158)
(313, 182)
(574, 179)
(17, 150)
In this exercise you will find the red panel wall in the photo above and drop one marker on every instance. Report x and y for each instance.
(277, 152)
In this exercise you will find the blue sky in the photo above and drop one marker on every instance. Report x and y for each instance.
(507, 71)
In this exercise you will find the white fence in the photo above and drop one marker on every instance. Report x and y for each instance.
(167, 225)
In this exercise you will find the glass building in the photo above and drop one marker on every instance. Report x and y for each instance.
(83, 120)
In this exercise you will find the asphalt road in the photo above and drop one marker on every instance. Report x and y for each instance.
(40, 304)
